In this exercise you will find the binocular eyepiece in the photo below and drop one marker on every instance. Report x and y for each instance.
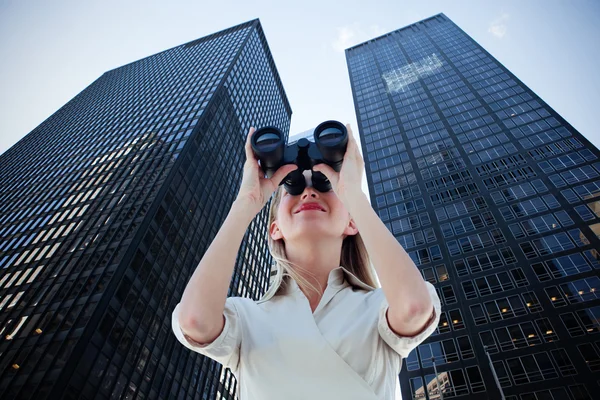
(329, 147)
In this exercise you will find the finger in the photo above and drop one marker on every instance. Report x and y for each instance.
(352, 147)
(325, 170)
(355, 145)
(351, 137)
(282, 173)
(349, 129)
(248, 146)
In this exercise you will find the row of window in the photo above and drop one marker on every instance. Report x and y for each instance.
(560, 267)
(395, 197)
(475, 145)
(417, 238)
(445, 167)
(468, 224)
(575, 175)
(540, 126)
(373, 145)
(442, 154)
(582, 322)
(468, 103)
(541, 145)
(553, 244)
(493, 153)
(450, 195)
(421, 119)
(520, 191)
(570, 392)
(392, 161)
(518, 336)
(472, 124)
(479, 133)
(436, 274)
(428, 138)
(383, 151)
(410, 223)
(588, 211)
(511, 110)
(409, 207)
(501, 90)
(460, 208)
(442, 352)
(484, 261)
(529, 207)
(584, 192)
(449, 180)
(475, 242)
(454, 383)
(505, 308)
(452, 318)
(407, 115)
(578, 291)
(567, 161)
(494, 283)
(394, 179)
(426, 255)
(543, 150)
(433, 147)
(447, 100)
(534, 367)
(540, 224)
(525, 118)
(467, 115)
(510, 177)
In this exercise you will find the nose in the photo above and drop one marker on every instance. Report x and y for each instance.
(309, 191)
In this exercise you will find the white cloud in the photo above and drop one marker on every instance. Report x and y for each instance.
(498, 26)
(350, 35)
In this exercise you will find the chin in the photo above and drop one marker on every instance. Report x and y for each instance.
(312, 227)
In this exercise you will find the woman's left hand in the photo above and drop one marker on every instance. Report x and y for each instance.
(346, 183)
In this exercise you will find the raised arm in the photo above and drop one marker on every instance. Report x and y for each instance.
(203, 301)
(201, 308)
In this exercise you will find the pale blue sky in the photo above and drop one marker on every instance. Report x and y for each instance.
(52, 50)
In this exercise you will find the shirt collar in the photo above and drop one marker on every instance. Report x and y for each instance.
(338, 277)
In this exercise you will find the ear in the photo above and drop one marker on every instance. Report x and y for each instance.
(274, 231)
(351, 228)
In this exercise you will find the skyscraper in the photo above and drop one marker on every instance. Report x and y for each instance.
(107, 208)
(496, 198)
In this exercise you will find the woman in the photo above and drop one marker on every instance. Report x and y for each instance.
(323, 330)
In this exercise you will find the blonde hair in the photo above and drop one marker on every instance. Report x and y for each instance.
(354, 256)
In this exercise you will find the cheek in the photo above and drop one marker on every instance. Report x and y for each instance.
(283, 215)
(336, 207)
(285, 207)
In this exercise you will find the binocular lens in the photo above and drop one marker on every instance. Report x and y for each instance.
(330, 136)
(267, 141)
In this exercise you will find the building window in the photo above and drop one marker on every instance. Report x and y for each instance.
(531, 368)
(590, 354)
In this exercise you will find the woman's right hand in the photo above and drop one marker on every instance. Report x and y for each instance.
(255, 189)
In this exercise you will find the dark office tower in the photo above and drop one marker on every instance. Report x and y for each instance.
(108, 206)
(496, 198)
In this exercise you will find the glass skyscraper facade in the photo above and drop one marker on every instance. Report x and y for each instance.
(497, 200)
(107, 208)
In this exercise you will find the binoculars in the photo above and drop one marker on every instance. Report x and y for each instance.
(329, 147)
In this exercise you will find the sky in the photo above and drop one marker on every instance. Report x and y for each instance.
(51, 51)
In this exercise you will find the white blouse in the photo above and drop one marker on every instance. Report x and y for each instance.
(278, 349)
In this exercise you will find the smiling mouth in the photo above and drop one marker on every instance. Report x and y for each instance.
(310, 209)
